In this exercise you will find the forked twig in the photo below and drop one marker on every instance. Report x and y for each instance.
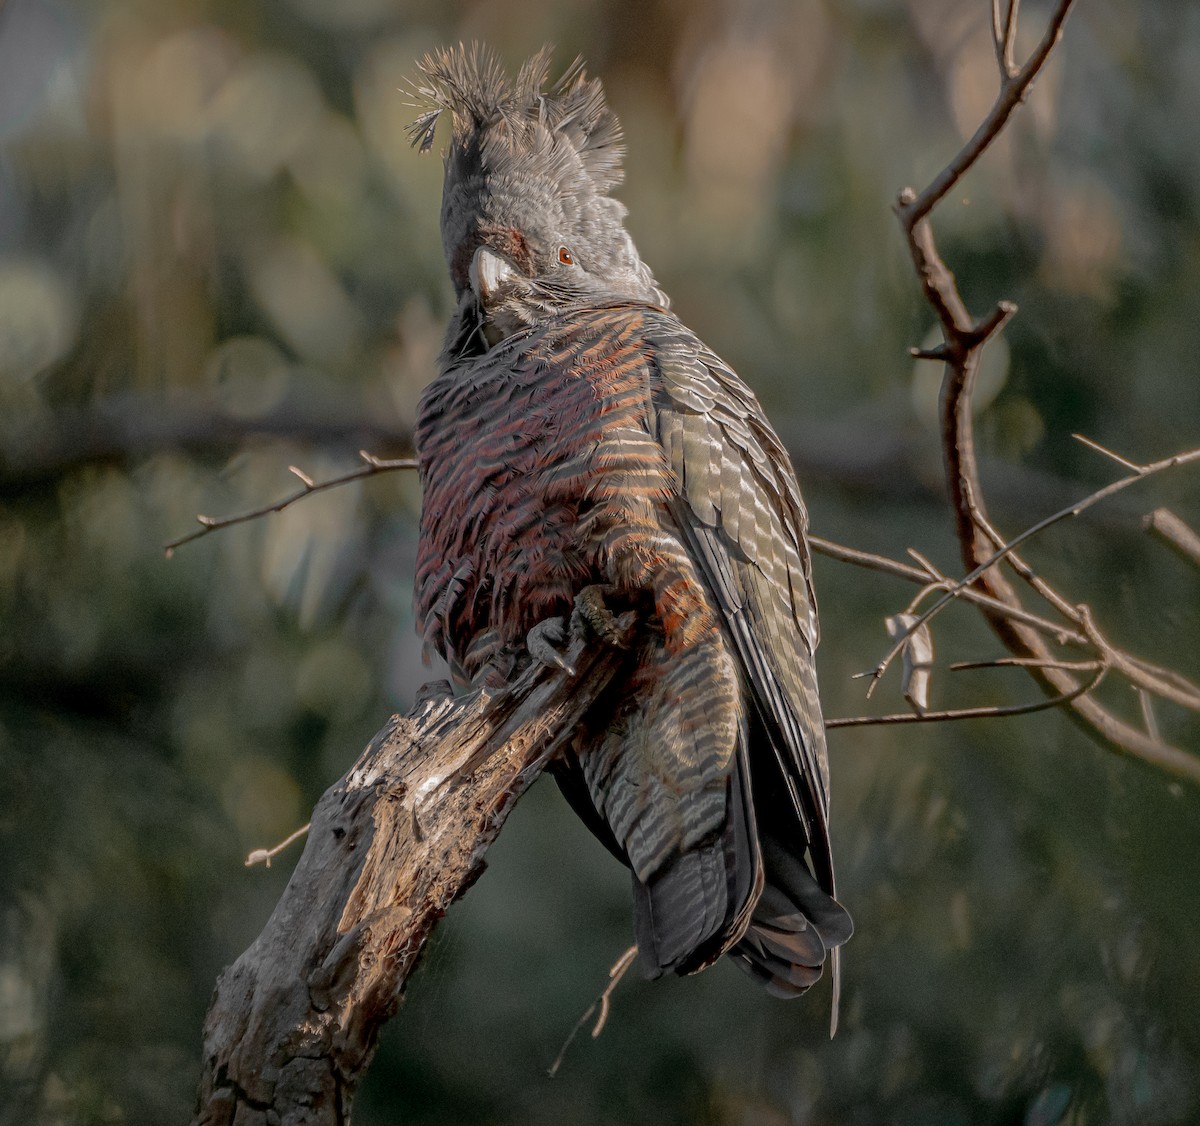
(372, 465)
(1140, 473)
(1062, 634)
(1014, 84)
(619, 968)
(1165, 683)
(1004, 37)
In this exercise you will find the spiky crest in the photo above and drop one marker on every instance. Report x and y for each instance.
(471, 85)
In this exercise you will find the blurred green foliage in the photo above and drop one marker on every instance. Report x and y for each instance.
(219, 257)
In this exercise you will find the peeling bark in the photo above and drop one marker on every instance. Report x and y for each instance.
(294, 1022)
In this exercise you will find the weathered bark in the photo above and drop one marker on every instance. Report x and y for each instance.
(295, 1020)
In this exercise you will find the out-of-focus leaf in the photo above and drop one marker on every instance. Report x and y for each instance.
(38, 318)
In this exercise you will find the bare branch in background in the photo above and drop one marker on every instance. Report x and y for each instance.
(1014, 85)
(1164, 682)
(1004, 37)
(981, 545)
(987, 712)
(372, 466)
(1007, 549)
(1063, 634)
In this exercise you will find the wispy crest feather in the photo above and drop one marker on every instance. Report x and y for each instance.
(470, 84)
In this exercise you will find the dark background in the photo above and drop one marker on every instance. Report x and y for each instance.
(219, 257)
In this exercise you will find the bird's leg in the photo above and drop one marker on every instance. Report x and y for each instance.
(547, 642)
(592, 610)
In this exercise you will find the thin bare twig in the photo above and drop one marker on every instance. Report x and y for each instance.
(998, 33)
(1012, 92)
(1141, 473)
(1112, 455)
(1005, 40)
(619, 968)
(872, 562)
(266, 855)
(989, 712)
(1163, 682)
(1022, 663)
(1157, 672)
(372, 465)
(984, 525)
(1148, 718)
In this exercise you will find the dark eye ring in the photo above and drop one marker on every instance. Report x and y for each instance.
(565, 256)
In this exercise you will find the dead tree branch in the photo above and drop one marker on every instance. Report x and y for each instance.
(295, 1020)
(1189, 699)
(964, 338)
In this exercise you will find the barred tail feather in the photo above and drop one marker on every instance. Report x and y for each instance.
(795, 926)
(696, 908)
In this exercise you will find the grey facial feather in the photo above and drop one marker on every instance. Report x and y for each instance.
(533, 162)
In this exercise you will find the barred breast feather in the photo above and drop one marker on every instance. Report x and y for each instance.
(609, 446)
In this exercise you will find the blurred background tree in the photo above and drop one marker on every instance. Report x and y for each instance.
(219, 257)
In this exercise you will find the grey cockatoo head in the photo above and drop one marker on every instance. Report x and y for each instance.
(528, 224)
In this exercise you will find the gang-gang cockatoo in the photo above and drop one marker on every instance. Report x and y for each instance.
(579, 439)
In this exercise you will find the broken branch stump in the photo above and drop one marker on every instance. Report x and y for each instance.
(295, 1020)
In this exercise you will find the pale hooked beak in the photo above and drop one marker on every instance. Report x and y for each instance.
(489, 271)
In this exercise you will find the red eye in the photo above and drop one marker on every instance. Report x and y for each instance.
(565, 256)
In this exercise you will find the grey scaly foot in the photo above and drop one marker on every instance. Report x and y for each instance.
(591, 608)
(547, 642)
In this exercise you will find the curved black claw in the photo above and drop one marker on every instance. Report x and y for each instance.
(546, 643)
